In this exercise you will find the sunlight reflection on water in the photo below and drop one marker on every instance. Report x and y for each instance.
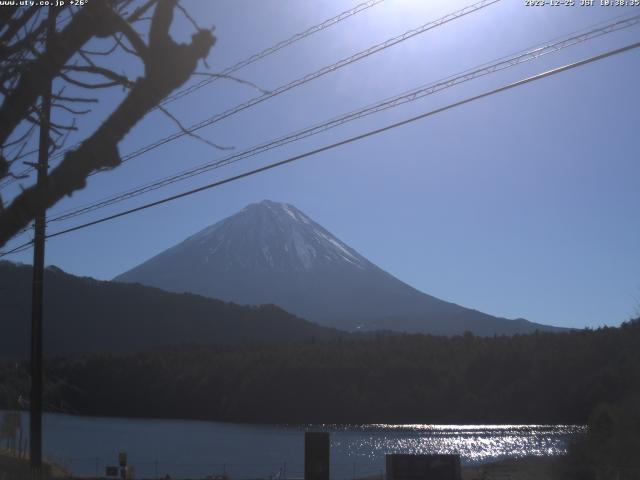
(195, 449)
(473, 443)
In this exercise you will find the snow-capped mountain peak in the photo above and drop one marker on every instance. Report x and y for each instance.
(271, 252)
(277, 235)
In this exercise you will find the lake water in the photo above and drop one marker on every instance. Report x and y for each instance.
(194, 449)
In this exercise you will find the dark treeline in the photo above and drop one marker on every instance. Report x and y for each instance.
(536, 378)
(83, 315)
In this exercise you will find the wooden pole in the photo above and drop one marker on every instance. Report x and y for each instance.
(35, 425)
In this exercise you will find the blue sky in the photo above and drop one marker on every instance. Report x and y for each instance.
(524, 204)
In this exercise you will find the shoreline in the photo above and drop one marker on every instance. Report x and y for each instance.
(525, 468)
(373, 426)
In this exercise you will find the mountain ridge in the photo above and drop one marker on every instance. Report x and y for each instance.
(271, 252)
(84, 315)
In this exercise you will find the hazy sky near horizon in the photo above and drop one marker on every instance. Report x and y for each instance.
(524, 204)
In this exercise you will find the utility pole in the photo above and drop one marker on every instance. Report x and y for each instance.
(35, 404)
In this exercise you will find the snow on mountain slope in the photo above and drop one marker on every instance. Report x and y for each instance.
(271, 252)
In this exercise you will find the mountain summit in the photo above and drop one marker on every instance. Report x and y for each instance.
(269, 236)
(271, 252)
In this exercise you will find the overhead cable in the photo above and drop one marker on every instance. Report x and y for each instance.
(349, 140)
(392, 102)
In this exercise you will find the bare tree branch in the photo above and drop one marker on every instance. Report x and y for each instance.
(19, 139)
(188, 17)
(91, 86)
(69, 109)
(6, 51)
(191, 134)
(74, 99)
(139, 47)
(104, 53)
(105, 72)
(17, 24)
(168, 65)
(58, 145)
(232, 78)
(95, 19)
(138, 12)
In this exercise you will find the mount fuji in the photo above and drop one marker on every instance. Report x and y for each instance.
(272, 253)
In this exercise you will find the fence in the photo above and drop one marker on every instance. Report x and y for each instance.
(149, 469)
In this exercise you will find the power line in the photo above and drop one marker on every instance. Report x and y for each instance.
(237, 66)
(270, 50)
(346, 61)
(312, 76)
(392, 102)
(309, 77)
(20, 248)
(349, 140)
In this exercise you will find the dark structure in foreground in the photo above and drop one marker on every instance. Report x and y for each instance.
(316, 456)
(400, 466)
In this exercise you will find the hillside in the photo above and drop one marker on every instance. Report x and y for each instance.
(83, 315)
(540, 378)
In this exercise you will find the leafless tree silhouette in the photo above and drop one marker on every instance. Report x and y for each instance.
(28, 60)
